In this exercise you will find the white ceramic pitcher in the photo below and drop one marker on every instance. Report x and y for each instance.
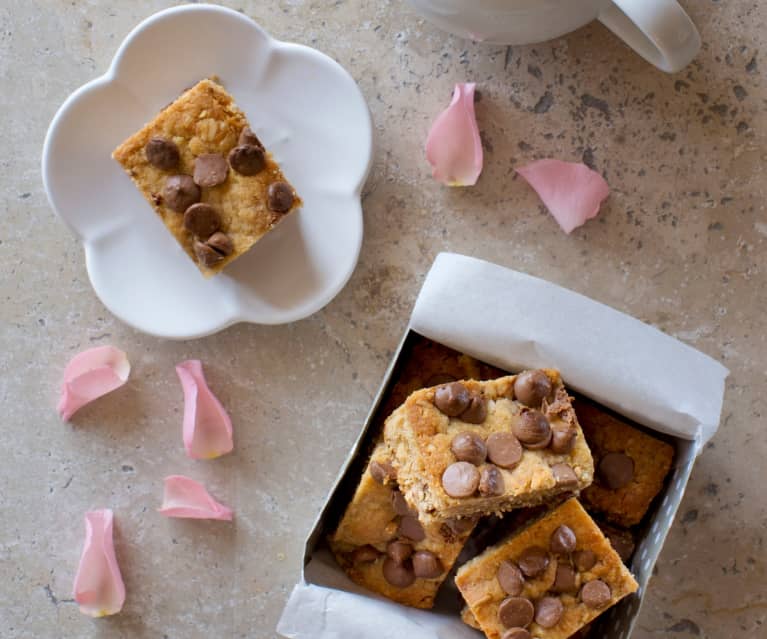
(658, 30)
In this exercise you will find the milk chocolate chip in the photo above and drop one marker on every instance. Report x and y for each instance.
(399, 551)
(548, 612)
(504, 450)
(616, 470)
(410, 527)
(399, 504)
(532, 429)
(247, 159)
(490, 481)
(221, 242)
(584, 559)
(516, 633)
(564, 475)
(452, 399)
(247, 137)
(162, 153)
(365, 554)
(562, 439)
(280, 197)
(210, 169)
(562, 540)
(180, 192)
(510, 578)
(398, 575)
(596, 594)
(206, 254)
(476, 412)
(469, 447)
(382, 471)
(460, 479)
(516, 612)
(201, 220)
(427, 565)
(533, 561)
(531, 387)
(564, 581)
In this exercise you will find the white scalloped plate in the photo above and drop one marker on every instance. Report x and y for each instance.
(303, 105)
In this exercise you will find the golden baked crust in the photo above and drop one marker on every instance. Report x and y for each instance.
(370, 519)
(652, 461)
(205, 119)
(420, 437)
(467, 616)
(478, 583)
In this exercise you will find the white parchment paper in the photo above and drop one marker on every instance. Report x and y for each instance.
(516, 321)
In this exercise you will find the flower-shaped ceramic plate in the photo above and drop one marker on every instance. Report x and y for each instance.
(303, 105)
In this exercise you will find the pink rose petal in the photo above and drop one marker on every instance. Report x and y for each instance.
(453, 147)
(571, 191)
(89, 375)
(184, 497)
(99, 587)
(207, 427)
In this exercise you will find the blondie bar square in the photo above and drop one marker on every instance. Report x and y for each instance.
(381, 544)
(630, 465)
(547, 581)
(207, 176)
(471, 448)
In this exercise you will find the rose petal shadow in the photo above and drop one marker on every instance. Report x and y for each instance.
(120, 410)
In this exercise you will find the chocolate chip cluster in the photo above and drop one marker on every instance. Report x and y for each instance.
(478, 459)
(517, 612)
(183, 193)
(402, 563)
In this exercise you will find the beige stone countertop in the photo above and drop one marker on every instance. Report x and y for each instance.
(681, 244)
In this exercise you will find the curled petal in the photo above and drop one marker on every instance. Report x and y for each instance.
(207, 427)
(571, 191)
(91, 374)
(453, 147)
(99, 587)
(184, 497)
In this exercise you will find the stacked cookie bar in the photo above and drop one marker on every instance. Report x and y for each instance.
(383, 543)
(463, 451)
(477, 448)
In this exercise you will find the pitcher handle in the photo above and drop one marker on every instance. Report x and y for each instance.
(658, 30)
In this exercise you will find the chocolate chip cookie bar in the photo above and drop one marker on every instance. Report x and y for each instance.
(547, 581)
(471, 448)
(381, 544)
(207, 175)
(630, 465)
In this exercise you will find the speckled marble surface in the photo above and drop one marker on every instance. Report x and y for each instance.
(680, 244)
